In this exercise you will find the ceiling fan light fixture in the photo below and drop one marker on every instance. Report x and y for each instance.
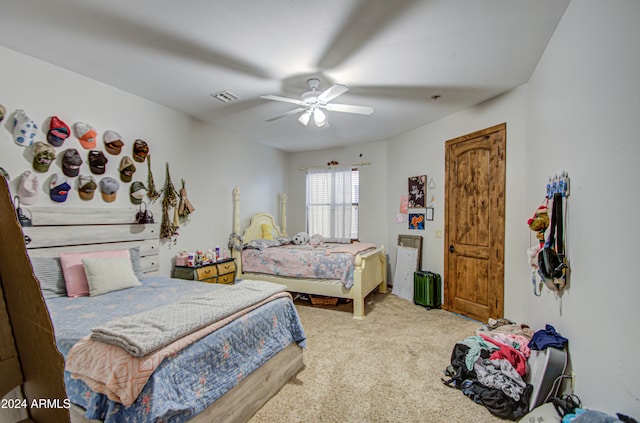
(304, 118)
(319, 117)
(314, 103)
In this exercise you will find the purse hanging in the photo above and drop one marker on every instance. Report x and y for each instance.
(22, 218)
(144, 216)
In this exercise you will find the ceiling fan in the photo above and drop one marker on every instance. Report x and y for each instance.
(313, 102)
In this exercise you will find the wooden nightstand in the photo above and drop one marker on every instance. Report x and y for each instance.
(223, 271)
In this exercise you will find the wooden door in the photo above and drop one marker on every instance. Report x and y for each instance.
(474, 224)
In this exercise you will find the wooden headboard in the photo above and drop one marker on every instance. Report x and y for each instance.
(56, 230)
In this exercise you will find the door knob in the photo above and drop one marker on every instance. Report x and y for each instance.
(452, 249)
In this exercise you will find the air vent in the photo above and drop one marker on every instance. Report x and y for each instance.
(225, 96)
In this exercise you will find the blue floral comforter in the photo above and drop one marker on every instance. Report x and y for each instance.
(186, 383)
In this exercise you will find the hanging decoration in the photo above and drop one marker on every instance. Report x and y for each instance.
(185, 208)
(151, 193)
(169, 228)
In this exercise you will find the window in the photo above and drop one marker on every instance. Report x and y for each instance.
(332, 203)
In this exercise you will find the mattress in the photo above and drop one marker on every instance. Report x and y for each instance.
(186, 383)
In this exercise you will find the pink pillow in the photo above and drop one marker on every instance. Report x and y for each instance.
(75, 277)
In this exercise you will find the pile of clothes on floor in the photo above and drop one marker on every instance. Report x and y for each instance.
(490, 367)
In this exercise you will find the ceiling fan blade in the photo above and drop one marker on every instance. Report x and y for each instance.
(366, 21)
(332, 92)
(289, 113)
(348, 108)
(285, 99)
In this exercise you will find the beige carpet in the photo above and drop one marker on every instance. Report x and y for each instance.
(385, 368)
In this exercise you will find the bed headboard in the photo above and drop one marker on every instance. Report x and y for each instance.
(59, 229)
(254, 230)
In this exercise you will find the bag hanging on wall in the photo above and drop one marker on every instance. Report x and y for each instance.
(144, 216)
(552, 263)
(24, 220)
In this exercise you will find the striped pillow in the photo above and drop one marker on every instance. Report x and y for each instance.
(49, 272)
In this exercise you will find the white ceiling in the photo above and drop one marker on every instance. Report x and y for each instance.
(394, 55)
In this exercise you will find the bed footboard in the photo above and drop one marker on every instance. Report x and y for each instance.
(370, 272)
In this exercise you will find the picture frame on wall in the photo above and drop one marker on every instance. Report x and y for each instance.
(429, 213)
(416, 220)
(417, 191)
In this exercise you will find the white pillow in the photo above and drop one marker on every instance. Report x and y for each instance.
(108, 274)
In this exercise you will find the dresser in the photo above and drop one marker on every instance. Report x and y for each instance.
(223, 271)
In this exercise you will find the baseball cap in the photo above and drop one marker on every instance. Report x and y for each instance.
(86, 187)
(58, 132)
(71, 162)
(113, 142)
(24, 129)
(140, 150)
(127, 169)
(137, 192)
(86, 135)
(59, 188)
(97, 162)
(109, 188)
(28, 188)
(43, 155)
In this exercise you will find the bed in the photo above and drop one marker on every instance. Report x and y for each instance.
(221, 375)
(368, 269)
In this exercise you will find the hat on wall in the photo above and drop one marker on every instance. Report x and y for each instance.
(43, 155)
(109, 188)
(86, 135)
(58, 132)
(24, 129)
(137, 191)
(3, 112)
(97, 162)
(113, 142)
(71, 162)
(127, 169)
(140, 150)
(28, 188)
(86, 187)
(59, 188)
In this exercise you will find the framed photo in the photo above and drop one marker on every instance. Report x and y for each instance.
(416, 221)
(417, 191)
(429, 213)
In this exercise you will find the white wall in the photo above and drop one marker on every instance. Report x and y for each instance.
(211, 160)
(584, 107)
